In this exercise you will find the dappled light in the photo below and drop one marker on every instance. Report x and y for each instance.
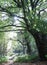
(23, 32)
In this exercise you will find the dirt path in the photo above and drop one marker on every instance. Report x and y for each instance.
(38, 63)
(10, 62)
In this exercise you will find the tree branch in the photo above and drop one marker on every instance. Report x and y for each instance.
(36, 3)
(41, 11)
(18, 40)
(24, 12)
(21, 42)
(11, 7)
(11, 25)
(15, 1)
(32, 4)
(10, 13)
(21, 21)
(12, 30)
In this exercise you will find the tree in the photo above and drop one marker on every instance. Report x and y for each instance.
(31, 21)
(31, 18)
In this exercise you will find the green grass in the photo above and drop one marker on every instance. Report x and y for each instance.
(3, 59)
(26, 58)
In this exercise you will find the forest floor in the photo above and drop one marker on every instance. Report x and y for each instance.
(37, 63)
(10, 62)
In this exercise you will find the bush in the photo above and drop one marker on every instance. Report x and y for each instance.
(26, 58)
(3, 59)
(46, 56)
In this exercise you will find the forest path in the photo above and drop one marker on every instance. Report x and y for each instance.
(10, 62)
(38, 63)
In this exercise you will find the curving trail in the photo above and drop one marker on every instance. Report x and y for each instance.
(37, 63)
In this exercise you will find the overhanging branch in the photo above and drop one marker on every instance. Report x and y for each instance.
(41, 11)
(10, 13)
(12, 30)
(11, 25)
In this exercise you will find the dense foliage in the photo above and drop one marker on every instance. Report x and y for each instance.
(27, 18)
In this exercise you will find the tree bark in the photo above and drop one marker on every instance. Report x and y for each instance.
(39, 38)
(40, 45)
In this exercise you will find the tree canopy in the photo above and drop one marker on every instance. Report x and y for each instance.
(25, 15)
(29, 13)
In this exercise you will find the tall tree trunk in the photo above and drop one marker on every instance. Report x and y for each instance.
(40, 45)
(39, 38)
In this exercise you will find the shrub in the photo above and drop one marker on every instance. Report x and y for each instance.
(26, 58)
(3, 59)
(46, 56)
